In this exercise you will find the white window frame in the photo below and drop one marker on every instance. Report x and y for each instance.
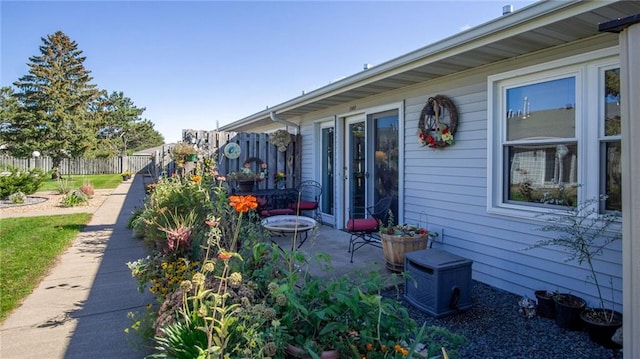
(587, 70)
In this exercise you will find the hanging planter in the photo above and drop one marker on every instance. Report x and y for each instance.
(438, 122)
(281, 139)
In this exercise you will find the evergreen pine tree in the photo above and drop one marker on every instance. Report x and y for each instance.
(56, 97)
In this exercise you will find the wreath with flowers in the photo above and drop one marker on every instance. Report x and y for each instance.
(432, 130)
(247, 174)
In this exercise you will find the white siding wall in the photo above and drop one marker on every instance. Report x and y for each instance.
(450, 185)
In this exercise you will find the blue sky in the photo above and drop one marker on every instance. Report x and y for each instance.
(192, 64)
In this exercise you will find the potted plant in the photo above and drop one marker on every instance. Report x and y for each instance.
(126, 175)
(247, 177)
(568, 308)
(398, 239)
(546, 306)
(183, 153)
(584, 233)
(279, 178)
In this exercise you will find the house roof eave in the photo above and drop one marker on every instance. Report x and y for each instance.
(526, 30)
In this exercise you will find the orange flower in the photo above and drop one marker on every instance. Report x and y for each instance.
(398, 348)
(369, 346)
(224, 255)
(243, 204)
(196, 178)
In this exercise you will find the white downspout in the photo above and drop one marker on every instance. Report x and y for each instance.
(275, 118)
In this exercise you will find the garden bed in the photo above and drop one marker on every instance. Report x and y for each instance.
(495, 329)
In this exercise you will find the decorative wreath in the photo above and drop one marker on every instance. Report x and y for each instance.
(432, 131)
(281, 139)
(248, 173)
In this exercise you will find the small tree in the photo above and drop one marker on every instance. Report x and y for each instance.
(582, 233)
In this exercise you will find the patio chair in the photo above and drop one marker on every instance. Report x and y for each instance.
(279, 203)
(309, 193)
(365, 230)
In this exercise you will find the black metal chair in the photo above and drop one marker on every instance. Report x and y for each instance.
(365, 230)
(279, 202)
(309, 193)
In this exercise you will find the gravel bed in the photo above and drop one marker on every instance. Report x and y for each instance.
(494, 329)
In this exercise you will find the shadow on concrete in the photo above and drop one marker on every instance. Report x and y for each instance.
(102, 317)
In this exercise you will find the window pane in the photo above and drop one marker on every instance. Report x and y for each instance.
(612, 102)
(542, 110)
(613, 179)
(543, 174)
(327, 171)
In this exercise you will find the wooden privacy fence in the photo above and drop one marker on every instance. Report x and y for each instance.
(210, 143)
(252, 145)
(83, 166)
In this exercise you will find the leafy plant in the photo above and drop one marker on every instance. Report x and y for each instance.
(14, 180)
(584, 234)
(173, 197)
(62, 185)
(73, 199)
(403, 230)
(18, 198)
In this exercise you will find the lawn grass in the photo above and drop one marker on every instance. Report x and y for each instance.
(28, 248)
(108, 181)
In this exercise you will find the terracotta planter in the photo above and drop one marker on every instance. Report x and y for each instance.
(394, 248)
(293, 352)
(546, 307)
(568, 309)
(601, 330)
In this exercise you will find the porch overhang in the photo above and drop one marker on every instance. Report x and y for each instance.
(539, 26)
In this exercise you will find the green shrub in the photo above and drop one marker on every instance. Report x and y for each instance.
(75, 198)
(18, 198)
(178, 196)
(14, 180)
(63, 186)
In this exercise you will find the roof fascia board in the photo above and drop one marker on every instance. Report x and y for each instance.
(526, 19)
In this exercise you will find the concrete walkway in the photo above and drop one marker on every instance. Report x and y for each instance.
(80, 308)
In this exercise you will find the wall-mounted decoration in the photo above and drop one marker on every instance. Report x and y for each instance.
(281, 139)
(232, 150)
(438, 122)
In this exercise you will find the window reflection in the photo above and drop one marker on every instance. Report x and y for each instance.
(542, 110)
